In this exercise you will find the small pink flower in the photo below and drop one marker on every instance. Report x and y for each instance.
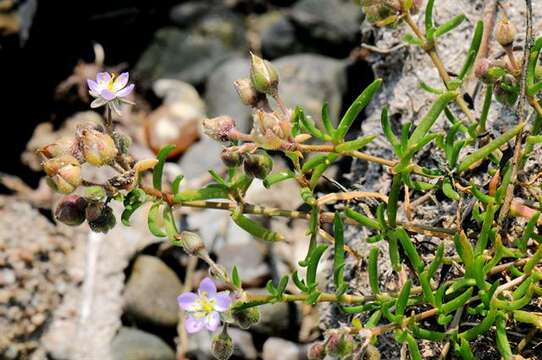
(109, 89)
(204, 308)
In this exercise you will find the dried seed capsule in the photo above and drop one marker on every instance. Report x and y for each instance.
(263, 75)
(222, 345)
(64, 173)
(100, 217)
(339, 345)
(248, 94)
(505, 32)
(192, 243)
(71, 210)
(98, 148)
(317, 351)
(506, 90)
(258, 164)
(66, 146)
(231, 158)
(219, 128)
(247, 317)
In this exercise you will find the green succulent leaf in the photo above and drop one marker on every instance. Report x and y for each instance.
(159, 167)
(133, 200)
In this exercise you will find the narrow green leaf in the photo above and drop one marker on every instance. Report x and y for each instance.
(169, 224)
(412, 40)
(448, 189)
(159, 167)
(449, 25)
(176, 184)
(362, 219)
(355, 145)
(432, 90)
(473, 50)
(456, 303)
(437, 261)
(388, 132)
(410, 249)
(235, 278)
(431, 117)
(428, 20)
(326, 120)
(211, 191)
(393, 200)
(353, 111)
(313, 265)
(372, 269)
(338, 252)
(133, 200)
(152, 220)
(402, 299)
(309, 125)
(277, 177)
(254, 228)
(298, 282)
(528, 232)
(484, 151)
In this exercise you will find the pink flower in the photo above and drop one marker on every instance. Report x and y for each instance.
(204, 308)
(109, 89)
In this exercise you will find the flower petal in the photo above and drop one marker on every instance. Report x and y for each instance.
(223, 301)
(120, 81)
(187, 301)
(98, 102)
(212, 321)
(208, 286)
(93, 85)
(103, 78)
(192, 325)
(126, 91)
(107, 94)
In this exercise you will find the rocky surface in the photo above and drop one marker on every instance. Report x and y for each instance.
(33, 276)
(135, 344)
(151, 276)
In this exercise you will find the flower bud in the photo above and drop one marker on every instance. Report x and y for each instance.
(505, 32)
(222, 345)
(258, 164)
(317, 351)
(248, 94)
(339, 345)
(263, 75)
(378, 11)
(247, 317)
(219, 128)
(488, 71)
(231, 158)
(100, 217)
(506, 90)
(64, 173)
(61, 147)
(122, 142)
(98, 148)
(192, 243)
(71, 210)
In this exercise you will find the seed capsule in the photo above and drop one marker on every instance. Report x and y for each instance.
(339, 345)
(219, 128)
(222, 345)
(231, 158)
(505, 32)
(247, 317)
(317, 351)
(192, 243)
(64, 173)
(263, 75)
(247, 93)
(71, 210)
(258, 164)
(98, 148)
(100, 217)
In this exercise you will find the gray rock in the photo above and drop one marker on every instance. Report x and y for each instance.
(329, 27)
(335, 22)
(221, 97)
(309, 80)
(133, 344)
(275, 319)
(192, 54)
(279, 37)
(280, 349)
(249, 261)
(200, 157)
(243, 346)
(151, 292)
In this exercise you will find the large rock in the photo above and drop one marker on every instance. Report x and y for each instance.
(151, 292)
(329, 27)
(221, 97)
(192, 53)
(310, 80)
(133, 344)
(280, 349)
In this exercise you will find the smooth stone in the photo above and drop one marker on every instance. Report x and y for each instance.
(280, 349)
(133, 344)
(221, 97)
(151, 293)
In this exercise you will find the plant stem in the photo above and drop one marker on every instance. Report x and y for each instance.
(439, 65)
